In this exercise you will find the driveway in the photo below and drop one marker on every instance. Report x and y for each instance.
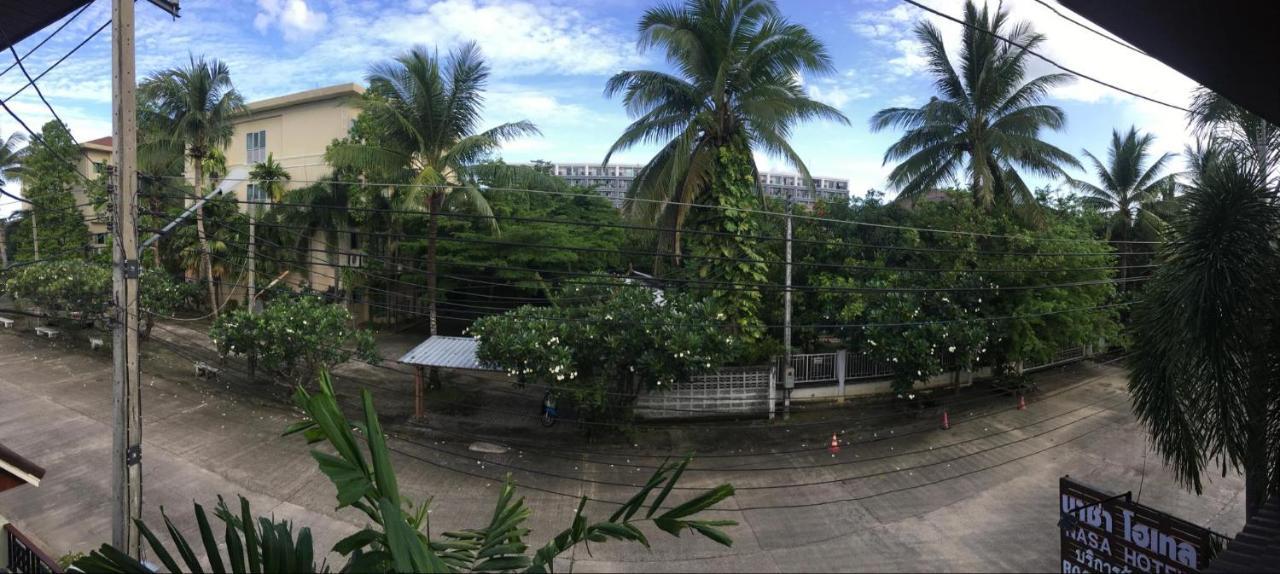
(900, 496)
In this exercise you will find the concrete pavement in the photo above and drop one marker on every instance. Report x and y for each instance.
(899, 497)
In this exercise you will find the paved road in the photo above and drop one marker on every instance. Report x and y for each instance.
(981, 496)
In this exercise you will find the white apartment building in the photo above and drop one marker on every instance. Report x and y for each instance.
(612, 181)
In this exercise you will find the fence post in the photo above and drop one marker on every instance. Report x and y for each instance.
(842, 359)
(773, 390)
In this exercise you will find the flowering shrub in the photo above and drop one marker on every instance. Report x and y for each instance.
(602, 352)
(65, 288)
(294, 338)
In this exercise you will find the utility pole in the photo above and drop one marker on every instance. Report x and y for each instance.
(126, 447)
(788, 377)
(253, 249)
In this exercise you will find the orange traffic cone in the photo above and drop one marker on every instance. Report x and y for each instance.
(835, 445)
(1022, 403)
(946, 421)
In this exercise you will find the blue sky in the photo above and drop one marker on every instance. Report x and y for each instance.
(551, 58)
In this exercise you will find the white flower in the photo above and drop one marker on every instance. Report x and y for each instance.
(951, 349)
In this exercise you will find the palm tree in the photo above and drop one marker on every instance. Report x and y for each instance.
(739, 64)
(270, 177)
(198, 103)
(1130, 188)
(1205, 334)
(985, 122)
(322, 208)
(10, 162)
(1228, 125)
(425, 112)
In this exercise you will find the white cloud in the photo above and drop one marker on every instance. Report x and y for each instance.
(891, 30)
(837, 93)
(294, 18)
(517, 37)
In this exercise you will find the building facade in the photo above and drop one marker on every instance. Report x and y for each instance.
(294, 131)
(613, 180)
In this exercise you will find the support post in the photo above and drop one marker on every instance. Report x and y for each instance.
(252, 296)
(126, 447)
(842, 359)
(773, 390)
(786, 311)
(417, 393)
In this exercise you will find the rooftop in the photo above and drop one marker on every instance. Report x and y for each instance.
(447, 353)
(348, 90)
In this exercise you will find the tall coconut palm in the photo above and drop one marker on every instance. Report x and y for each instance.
(198, 103)
(424, 113)
(985, 122)
(1205, 366)
(1129, 188)
(10, 163)
(738, 67)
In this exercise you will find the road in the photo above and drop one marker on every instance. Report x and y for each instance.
(898, 497)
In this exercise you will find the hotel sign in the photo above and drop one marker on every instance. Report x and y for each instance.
(1121, 536)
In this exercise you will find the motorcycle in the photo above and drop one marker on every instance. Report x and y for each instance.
(549, 412)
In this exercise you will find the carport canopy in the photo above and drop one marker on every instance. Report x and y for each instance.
(443, 353)
(447, 353)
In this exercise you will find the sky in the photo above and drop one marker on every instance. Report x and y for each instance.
(551, 58)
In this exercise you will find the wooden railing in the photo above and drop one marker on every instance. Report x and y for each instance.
(24, 557)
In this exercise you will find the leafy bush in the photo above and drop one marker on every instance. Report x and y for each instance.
(294, 338)
(604, 351)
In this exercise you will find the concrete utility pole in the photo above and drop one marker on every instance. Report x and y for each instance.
(126, 448)
(786, 322)
(253, 248)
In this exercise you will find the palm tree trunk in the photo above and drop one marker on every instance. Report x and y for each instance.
(4, 244)
(204, 241)
(433, 226)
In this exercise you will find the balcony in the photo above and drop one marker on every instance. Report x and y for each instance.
(18, 554)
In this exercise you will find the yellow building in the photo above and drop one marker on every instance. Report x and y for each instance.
(294, 129)
(97, 153)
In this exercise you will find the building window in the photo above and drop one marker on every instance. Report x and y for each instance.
(256, 193)
(100, 239)
(255, 147)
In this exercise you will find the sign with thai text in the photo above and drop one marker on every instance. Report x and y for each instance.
(1120, 536)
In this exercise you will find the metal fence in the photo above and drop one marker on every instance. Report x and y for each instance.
(1062, 357)
(725, 392)
(828, 367)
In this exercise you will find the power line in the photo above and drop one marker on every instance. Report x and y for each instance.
(1044, 58)
(59, 61)
(609, 251)
(1117, 41)
(617, 281)
(49, 37)
(686, 204)
(703, 232)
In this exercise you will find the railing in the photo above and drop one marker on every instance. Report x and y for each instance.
(825, 367)
(1061, 357)
(24, 557)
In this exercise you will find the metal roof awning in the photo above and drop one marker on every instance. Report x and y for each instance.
(446, 353)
